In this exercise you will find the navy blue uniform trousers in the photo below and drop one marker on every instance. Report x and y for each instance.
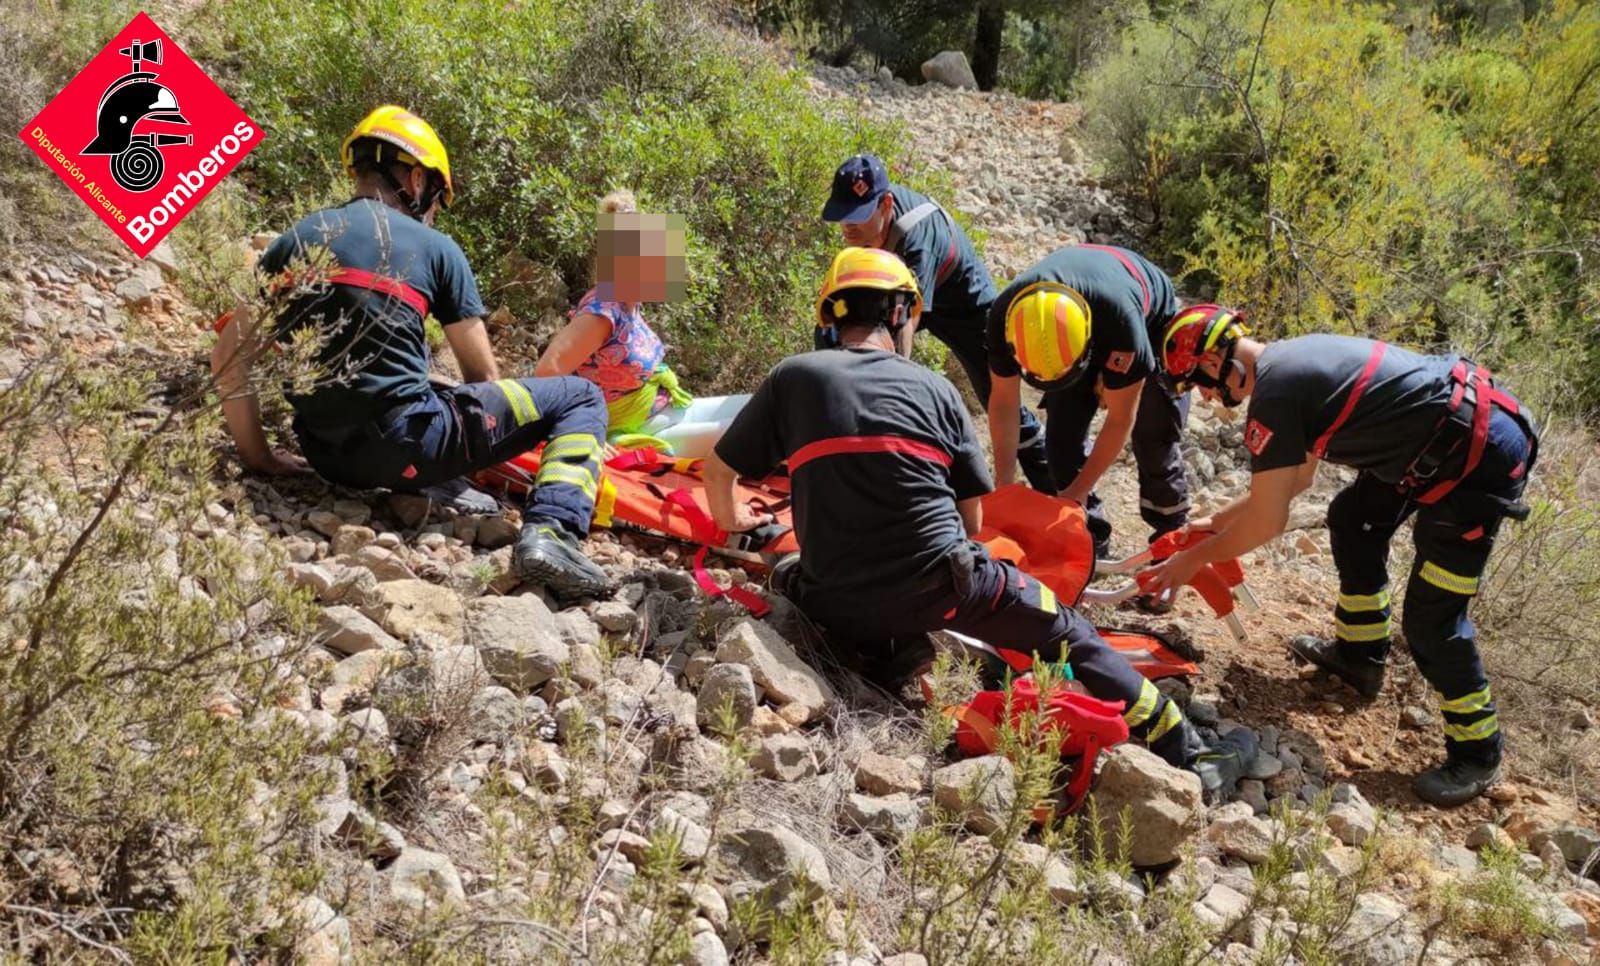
(1453, 539)
(459, 430)
(993, 601)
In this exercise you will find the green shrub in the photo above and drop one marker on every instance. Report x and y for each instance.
(1330, 169)
(545, 106)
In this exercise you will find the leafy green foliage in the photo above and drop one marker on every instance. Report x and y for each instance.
(544, 107)
(1323, 165)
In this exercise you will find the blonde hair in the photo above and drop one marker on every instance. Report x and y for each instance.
(618, 202)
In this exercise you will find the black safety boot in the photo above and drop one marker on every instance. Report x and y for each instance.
(1459, 780)
(1225, 762)
(547, 555)
(1365, 675)
(783, 576)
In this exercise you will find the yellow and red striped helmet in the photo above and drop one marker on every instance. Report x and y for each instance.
(1049, 328)
(1192, 333)
(411, 135)
(871, 268)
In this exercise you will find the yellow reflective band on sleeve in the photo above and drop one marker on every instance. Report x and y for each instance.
(1142, 708)
(573, 446)
(1170, 716)
(1477, 731)
(1362, 633)
(1364, 602)
(567, 473)
(1445, 580)
(605, 503)
(1476, 701)
(521, 400)
(1047, 600)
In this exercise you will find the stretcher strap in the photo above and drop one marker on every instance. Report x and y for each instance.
(707, 533)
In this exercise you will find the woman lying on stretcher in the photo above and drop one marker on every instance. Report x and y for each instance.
(639, 258)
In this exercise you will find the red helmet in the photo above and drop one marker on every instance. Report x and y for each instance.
(1192, 333)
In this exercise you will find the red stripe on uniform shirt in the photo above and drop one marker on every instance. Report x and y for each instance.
(1378, 349)
(839, 445)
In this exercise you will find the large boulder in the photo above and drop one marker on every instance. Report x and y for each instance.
(775, 666)
(418, 610)
(982, 791)
(1163, 804)
(950, 67)
(519, 640)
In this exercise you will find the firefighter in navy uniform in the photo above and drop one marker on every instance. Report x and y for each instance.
(363, 276)
(887, 482)
(1432, 436)
(873, 212)
(1082, 327)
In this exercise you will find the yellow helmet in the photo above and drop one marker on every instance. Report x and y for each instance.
(871, 268)
(412, 137)
(1048, 327)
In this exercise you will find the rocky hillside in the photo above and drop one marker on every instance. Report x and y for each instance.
(660, 777)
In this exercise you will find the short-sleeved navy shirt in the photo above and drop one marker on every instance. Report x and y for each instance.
(1303, 384)
(1128, 310)
(867, 522)
(953, 280)
(375, 337)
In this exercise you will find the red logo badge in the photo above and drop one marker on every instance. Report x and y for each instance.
(141, 134)
(1256, 437)
(860, 188)
(1119, 362)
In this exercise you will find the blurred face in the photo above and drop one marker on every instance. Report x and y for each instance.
(872, 232)
(640, 257)
(1229, 394)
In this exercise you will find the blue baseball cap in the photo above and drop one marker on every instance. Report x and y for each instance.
(857, 186)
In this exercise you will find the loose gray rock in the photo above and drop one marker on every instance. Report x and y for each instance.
(577, 628)
(1352, 824)
(772, 866)
(496, 712)
(615, 616)
(706, 949)
(694, 842)
(730, 685)
(980, 790)
(519, 639)
(416, 609)
(1163, 803)
(1236, 832)
(775, 666)
(883, 775)
(785, 758)
(347, 631)
(422, 879)
(1058, 877)
(322, 936)
(1576, 844)
(890, 819)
